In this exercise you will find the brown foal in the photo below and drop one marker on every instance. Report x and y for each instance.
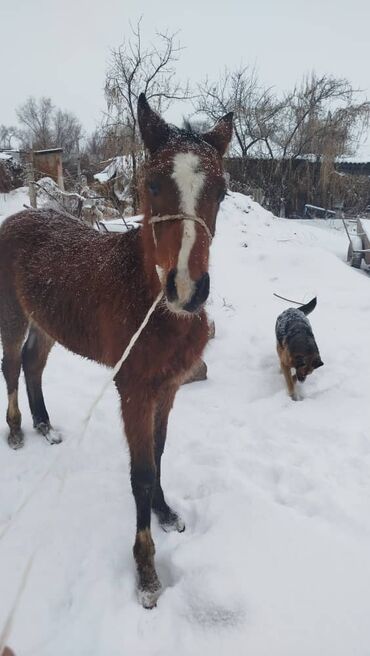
(62, 281)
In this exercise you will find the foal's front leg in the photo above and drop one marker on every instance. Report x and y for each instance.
(138, 416)
(168, 518)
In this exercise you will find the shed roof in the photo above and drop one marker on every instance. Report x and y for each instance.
(47, 151)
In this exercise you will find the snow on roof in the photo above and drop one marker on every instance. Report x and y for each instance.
(47, 150)
(362, 155)
(117, 166)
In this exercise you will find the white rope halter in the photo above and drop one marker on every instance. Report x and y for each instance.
(180, 217)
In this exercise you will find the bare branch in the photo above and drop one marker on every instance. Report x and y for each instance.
(135, 68)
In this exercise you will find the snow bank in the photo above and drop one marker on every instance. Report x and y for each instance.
(275, 494)
(13, 202)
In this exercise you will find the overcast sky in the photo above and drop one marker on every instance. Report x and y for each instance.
(61, 48)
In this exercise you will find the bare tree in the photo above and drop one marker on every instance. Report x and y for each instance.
(35, 118)
(67, 131)
(320, 114)
(94, 146)
(45, 126)
(7, 134)
(136, 68)
(321, 117)
(107, 142)
(255, 108)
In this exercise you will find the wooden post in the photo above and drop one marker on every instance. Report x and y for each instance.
(79, 168)
(78, 161)
(30, 180)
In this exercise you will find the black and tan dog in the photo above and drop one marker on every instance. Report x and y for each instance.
(296, 345)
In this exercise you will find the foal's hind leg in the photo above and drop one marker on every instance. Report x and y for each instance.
(34, 356)
(168, 518)
(13, 334)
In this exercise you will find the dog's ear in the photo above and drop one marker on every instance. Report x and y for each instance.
(317, 363)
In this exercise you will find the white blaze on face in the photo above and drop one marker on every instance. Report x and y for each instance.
(189, 180)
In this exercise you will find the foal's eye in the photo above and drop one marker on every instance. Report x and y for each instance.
(154, 188)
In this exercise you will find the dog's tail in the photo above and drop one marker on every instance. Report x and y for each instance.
(308, 307)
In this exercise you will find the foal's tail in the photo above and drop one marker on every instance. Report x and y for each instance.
(308, 307)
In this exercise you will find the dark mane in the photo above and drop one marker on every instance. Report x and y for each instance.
(188, 133)
(191, 130)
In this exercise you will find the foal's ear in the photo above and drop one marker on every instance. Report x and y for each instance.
(154, 130)
(220, 136)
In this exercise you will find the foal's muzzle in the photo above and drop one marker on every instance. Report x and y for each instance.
(198, 296)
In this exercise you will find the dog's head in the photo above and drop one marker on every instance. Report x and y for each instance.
(305, 364)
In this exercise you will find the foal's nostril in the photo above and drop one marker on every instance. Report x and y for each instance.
(200, 294)
(171, 291)
(203, 287)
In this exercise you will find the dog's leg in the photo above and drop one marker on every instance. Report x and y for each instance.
(290, 381)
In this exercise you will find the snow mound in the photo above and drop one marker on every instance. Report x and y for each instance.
(118, 166)
(13, 202)
(275, 494)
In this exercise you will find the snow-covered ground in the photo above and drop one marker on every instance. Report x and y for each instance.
(13, 202)
(275, 559)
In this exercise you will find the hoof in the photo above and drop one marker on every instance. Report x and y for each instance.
(16, 439)
(148, 597)
(170, 521)
(50, 434)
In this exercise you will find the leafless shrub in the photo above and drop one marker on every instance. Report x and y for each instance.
(135, 68)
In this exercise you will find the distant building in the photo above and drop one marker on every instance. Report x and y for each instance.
(48, 163)
(10, 153)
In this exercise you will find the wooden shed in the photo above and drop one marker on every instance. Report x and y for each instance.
(49, 163)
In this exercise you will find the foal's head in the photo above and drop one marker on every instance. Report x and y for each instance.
(183, 187)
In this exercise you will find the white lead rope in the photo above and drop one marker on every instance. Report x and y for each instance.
(10, 522)
(9, 621)
(124, 357)
(126, 353)
(5, 631)
(8, 625)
